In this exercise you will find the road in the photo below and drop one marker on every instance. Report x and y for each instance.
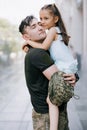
(16, 108)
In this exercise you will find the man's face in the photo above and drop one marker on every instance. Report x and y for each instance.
(35, 31)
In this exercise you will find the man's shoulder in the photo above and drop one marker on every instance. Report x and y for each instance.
(37, 50)
(36, 53)
(39, 58)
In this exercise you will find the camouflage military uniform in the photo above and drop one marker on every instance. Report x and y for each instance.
(59, 90)
(41, 121)
(60, 93)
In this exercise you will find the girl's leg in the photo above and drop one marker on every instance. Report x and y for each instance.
(54, 115)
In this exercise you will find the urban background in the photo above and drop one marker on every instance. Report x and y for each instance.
(15, 105)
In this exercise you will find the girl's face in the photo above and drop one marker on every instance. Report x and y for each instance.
(48, 20)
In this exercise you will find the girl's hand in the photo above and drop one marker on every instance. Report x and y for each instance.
(71, 78)
(25, 47)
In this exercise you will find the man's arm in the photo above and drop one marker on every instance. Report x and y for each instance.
(50, 71)
(71, 78)
(42, 61)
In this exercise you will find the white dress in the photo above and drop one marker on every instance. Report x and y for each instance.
(62, 55)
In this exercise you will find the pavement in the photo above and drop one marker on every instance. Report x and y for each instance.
(16, 108)
(81, 104)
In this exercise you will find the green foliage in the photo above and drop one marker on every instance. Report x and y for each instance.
(10, 40)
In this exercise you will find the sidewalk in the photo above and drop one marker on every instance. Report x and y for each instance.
(16, 108)
(74, 119)
(16, 114)
(81, 104)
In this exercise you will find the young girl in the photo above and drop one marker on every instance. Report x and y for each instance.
(57, 43)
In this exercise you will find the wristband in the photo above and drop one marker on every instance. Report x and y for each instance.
(77, 77)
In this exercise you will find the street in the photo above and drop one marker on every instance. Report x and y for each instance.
(16, 108)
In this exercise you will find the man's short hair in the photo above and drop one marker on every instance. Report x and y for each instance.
(25, 22)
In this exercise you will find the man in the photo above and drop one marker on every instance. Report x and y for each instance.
(39, 67)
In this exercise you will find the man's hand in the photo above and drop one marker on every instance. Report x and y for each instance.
(71, 78)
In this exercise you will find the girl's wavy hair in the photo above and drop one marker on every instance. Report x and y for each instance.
(54, 11)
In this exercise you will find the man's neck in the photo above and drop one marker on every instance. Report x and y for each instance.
(40, 41)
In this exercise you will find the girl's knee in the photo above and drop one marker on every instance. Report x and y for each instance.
(48, 101)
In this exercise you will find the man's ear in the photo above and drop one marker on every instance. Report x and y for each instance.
(26, 37)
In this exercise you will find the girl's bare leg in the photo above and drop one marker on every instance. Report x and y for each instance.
(54, 115)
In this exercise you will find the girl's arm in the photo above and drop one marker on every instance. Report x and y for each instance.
(47, 42)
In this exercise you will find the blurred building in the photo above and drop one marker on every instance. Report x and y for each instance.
(74, 14)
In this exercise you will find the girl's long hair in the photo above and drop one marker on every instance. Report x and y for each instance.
(54, 11)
